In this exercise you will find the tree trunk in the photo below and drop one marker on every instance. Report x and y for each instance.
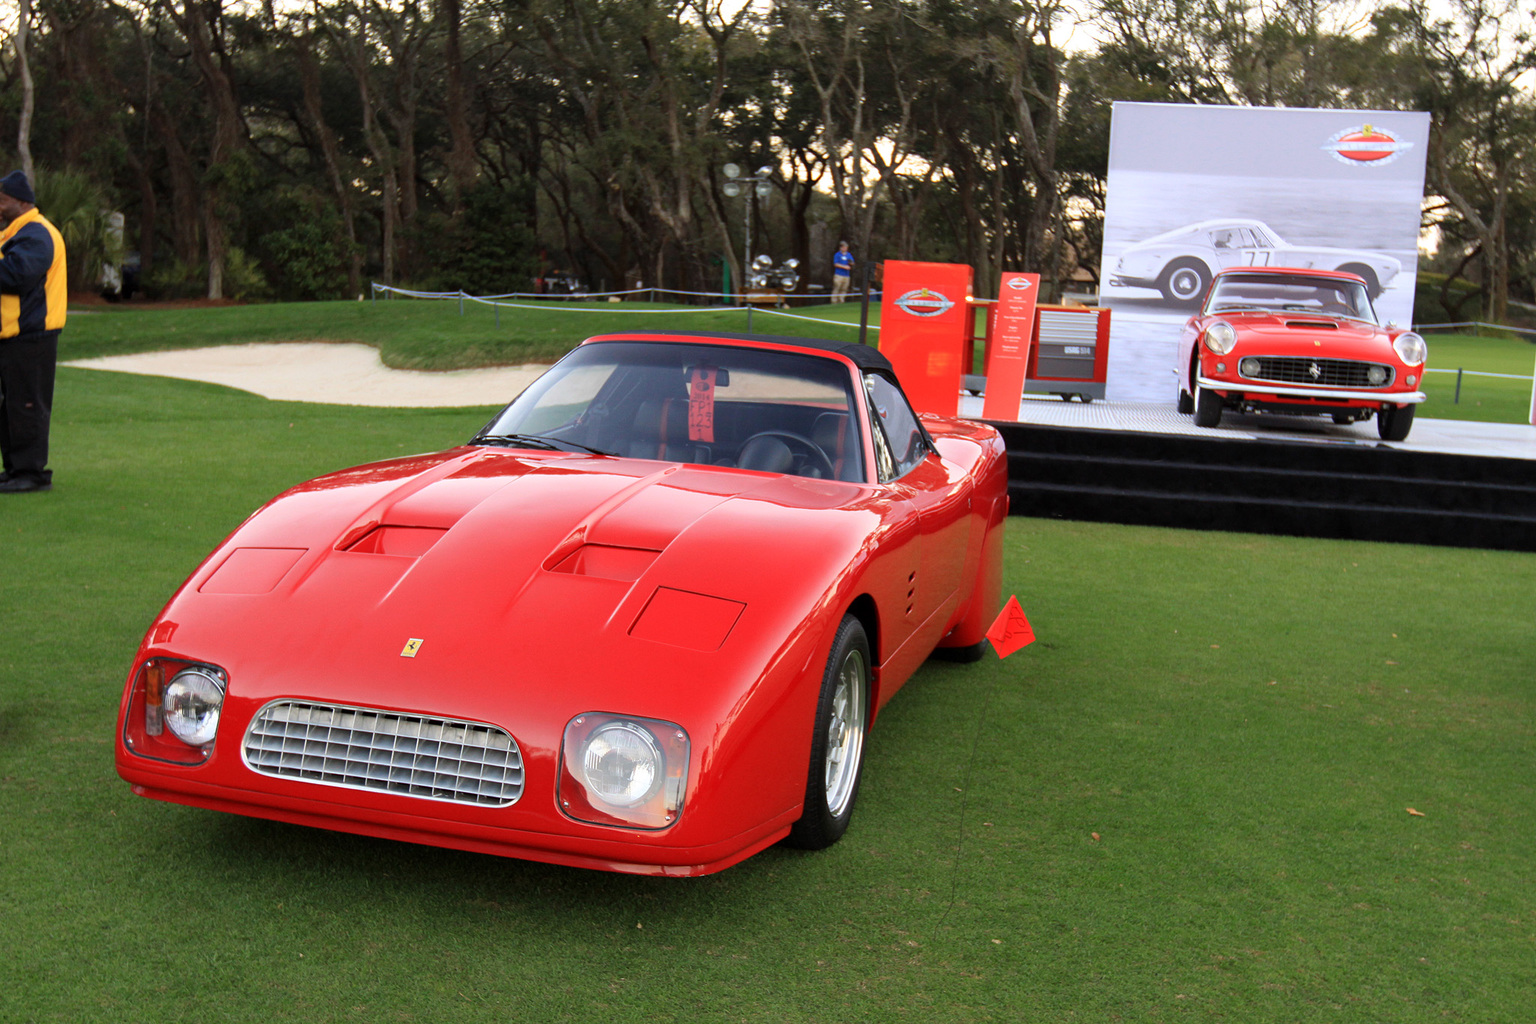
(28, 93)
(314, 113)
(228, 132)
(461, 153)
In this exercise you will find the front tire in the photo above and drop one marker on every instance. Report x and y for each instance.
(1185, 282)
(1394, 422)
(837, 741)
(1207, 407)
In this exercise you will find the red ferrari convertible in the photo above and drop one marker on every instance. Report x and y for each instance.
(1299, 342)
(642, 622)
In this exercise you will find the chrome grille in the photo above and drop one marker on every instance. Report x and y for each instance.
(1330, 373)
(415, 755)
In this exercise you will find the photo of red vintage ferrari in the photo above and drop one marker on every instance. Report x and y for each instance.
(1298, 342)
(642, 622)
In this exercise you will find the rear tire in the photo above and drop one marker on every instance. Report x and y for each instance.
(1372, 286)
(837, 741)
(961, 655)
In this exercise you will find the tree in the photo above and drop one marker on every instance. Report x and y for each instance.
(1462, 60)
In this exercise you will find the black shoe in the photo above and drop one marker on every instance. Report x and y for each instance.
(23, 484)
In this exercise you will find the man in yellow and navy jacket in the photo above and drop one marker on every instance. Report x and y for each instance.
(33, 293)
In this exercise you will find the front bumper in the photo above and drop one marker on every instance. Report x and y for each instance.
(1261, 390)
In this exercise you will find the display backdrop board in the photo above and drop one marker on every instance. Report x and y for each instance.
(1193, 189)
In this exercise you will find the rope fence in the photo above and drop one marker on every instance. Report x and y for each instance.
(1479, 325)
(604, 301)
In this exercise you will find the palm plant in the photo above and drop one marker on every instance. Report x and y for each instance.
(79, 208)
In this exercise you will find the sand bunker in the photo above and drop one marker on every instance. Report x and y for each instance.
(341, 374)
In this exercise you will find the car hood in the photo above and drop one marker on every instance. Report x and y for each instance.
(478, 566)
(1302, 335)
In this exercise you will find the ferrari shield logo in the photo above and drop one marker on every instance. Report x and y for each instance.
(411, 647)
(924, 302)
(1366, 144)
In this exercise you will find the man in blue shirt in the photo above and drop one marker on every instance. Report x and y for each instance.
(34, 291)
(842, 272)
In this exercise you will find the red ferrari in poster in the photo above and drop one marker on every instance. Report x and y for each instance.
(643, 621)
(1298, 342)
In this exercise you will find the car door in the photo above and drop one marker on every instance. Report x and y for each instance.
(1226, 246)
(907, 461)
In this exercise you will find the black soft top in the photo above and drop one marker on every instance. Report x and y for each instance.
(865, 357)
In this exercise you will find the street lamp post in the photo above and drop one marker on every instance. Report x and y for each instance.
(737, 182)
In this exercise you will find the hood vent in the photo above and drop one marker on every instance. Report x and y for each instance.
(1312, 325)
(606, 562)
(408, 541)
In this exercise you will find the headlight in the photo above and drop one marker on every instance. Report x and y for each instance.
(622, 770)
(1220, 337)
(621, 764)
(191, 705)
(1411, 348)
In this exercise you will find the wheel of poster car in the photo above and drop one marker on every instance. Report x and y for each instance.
(837, 741)
(804, 444)
(1207, 407)
(1393, 423)
(1184, 281)
(1372, 285)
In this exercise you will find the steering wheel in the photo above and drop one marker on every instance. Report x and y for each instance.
(805, 444)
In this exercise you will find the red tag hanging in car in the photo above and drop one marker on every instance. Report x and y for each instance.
(701, 405)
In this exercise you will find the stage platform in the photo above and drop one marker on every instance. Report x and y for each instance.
(1450, 483)
(1451, 437)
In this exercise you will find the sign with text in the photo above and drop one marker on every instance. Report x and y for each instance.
(1013, 330)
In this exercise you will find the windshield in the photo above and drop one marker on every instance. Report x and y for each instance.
(711, 405)
(1298, 293)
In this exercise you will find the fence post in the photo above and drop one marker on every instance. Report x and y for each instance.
(461, 302)
(864, 305)
(1457, 399)
(1533, 398)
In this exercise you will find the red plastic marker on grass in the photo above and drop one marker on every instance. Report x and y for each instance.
(1011, 629)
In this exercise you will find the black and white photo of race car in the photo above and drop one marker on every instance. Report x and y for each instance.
(1180, 263)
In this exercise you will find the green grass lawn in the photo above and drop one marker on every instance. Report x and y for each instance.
(1487, 399)
(1187, 801)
